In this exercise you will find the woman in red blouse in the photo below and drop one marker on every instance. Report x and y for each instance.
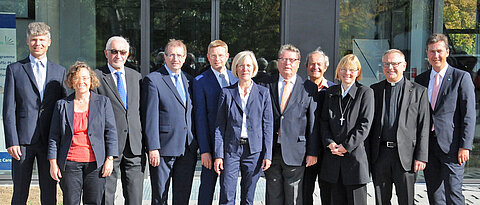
(83, 139)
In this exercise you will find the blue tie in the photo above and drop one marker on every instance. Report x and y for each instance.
(121, 88)
(179, 86)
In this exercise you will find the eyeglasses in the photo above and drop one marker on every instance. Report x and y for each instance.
(344, 70)
(388, 64)
(291, 60)
(175, 55)
(115, 52)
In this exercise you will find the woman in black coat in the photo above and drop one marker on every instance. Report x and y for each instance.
(346, 119)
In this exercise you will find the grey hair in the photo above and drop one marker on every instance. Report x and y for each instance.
(289, 47)
(38, 29)
(117, 38)
(319, 51)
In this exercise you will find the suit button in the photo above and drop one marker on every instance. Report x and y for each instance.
(282, 117)
(249, 128)
(247, 117)
(185, 128)
(124, 130)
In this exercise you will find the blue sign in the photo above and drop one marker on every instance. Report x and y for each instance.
(5, 161)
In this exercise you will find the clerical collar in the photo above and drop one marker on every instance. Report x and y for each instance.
(396, 83)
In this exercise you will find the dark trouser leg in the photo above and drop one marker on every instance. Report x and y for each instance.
(250, 166)
(182, 174)
(48, 186)
(72, 182)
(93, 183)
(132, 168)
(310, 178)
(325, 191)
(348, 194)
(293, 184)
(111, 182)
(382, 176)
(208, 180)
(22, 175)
(229, 178)
(274, 181)
(160, 180)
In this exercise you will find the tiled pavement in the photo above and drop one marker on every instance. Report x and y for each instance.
(471, 192)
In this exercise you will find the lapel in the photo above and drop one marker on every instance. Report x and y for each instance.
(50, 72)
(166, 78)
(406, 98)
(294, 94)
(186, 87)
(29, 70)
(93, 109)
(252, 97)
(108, 79)
(69, 108)
(129, 85)
(381, 103)
(446, 83)
(235, 90)
(210, 77)
(274, 92)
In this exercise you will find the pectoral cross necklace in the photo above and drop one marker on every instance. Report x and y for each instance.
(342, 111)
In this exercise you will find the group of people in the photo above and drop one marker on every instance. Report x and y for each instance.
(294, 130)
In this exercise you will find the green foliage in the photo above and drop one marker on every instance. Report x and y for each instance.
(461, 14)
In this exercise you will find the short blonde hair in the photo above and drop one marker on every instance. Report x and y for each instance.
(175, 43)
(240, 58)
(349, 60)
(38, 29)
(217, 43)
(72, 72)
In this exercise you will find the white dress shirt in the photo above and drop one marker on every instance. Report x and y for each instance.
(217, 75)
(431, 83)
(113, 71)
(41, 76)
(244, 99)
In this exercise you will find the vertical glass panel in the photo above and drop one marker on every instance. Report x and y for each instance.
(251, 25)
(460, 14)
(187, 20)
(369, 28)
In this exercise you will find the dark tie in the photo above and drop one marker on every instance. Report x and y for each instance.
(224, 80)
(121, 88)
(181, 92)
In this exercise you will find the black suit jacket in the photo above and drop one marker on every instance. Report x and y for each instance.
(127, 120)
(454, 114)
(413, 123)
(353, 166)
(299, 133)
(26, 118)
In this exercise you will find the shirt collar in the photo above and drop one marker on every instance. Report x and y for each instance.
(113, 70)
(172, 74)
(395, 83)
(442, 72)
(35, 60)
(240, 90)
(292, 80)
(218, 73)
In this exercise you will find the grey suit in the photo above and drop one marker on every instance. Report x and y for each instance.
(395, 163)
(131, 160)
(299, 137)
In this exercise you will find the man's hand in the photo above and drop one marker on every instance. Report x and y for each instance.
(311, 160)
(266, 164)
(54, 170)
(107, 167)
(218, 165)
(15, 152)
(154, 157)
(419, 166)
(207, 160)
(463, 155)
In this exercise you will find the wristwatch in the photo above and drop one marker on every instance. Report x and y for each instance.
(110, 157)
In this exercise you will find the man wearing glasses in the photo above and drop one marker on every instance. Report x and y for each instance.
(400, 129)
(122, 85)
(167, 121)
(295, 136)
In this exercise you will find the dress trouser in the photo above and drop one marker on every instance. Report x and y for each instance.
(348, 194)
(312, 173)
(443, 176)
(132, 169)
(284, 182)
(22, 175)
(208, 180)
(81, 177)
(181, 170)
(388, 170)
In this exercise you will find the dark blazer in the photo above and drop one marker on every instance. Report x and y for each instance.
(413, 123)
(454, 114)
(102, 132)
(300, 135)
(127, 120)
(259, 118)
(353, 166)
(167, 121)
(26, 118)
(205, 98)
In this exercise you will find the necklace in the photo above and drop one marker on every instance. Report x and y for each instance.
(342, 111)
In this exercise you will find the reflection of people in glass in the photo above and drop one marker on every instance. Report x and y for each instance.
(347, 115)
(83, 139)
(262, 69)
(189, 65)
(243, 132)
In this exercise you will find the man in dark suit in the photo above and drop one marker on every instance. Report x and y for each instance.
(452, 99)
(400, 129)
(317, 64)
(122, 85)
(295, 139)
(32, 87)
(206, 89)
(167, 119)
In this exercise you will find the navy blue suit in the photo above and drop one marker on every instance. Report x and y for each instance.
(454, 121)
(205, 97)
(245, 157)
(26, 121)
(168, 127)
